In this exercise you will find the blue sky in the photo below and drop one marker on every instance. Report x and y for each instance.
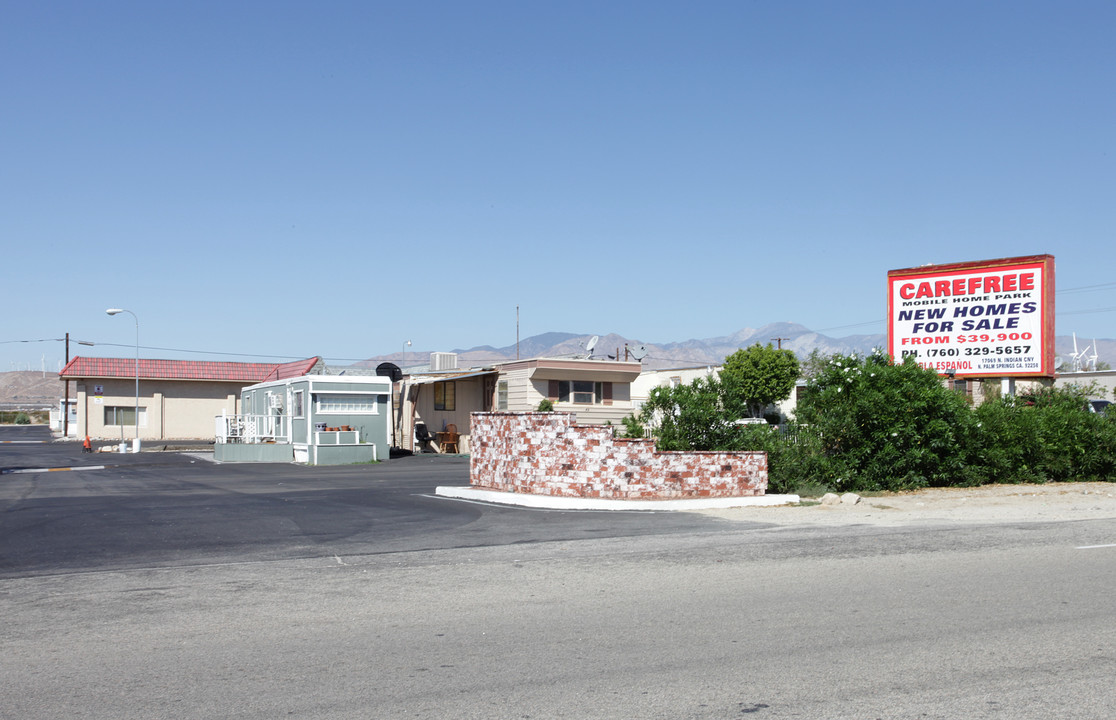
(335, 178)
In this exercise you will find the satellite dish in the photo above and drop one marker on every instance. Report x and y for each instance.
(591, 344)
(1058, 360)
(389, 370)
(639, 352)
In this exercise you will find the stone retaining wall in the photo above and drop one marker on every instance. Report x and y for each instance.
(548, 454)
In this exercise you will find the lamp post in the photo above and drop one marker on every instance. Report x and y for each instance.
(116, 311)
(405, 346)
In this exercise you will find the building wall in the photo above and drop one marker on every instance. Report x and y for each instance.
(468, 398)
(169, 409)
(595, 414)
(549, 454)
(1103, 382)
(523, 395)
(650, 379)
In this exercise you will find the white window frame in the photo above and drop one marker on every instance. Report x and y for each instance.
(502, 395)
(328, 403)
(568, 392)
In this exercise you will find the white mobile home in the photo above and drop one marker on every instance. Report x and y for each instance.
(313, 419)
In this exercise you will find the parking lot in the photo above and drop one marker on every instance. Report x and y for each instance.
(68, 511)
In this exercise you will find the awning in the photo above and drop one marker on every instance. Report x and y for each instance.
(428, 379)
(599, 372)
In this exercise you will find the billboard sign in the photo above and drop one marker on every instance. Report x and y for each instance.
(991, 318)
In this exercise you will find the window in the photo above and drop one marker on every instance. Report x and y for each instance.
(121, 415)
(445, 395)
(580, 392)
(502, 395)
(296, 404)
(349, 404)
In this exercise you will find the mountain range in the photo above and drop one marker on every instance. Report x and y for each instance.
(695, 352)
(33, 388)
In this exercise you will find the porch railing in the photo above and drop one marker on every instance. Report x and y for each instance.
(251, 429)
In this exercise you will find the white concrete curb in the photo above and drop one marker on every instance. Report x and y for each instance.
(573, 503)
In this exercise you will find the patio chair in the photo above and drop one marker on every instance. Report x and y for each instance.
(423, 438)
(449, 439)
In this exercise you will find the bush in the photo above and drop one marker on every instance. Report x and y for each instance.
(633, 428)
(690, 417)
(1047, 436)
(795, 460)
(868, 424)
(885, 426)
(546, 405)
(22, 419)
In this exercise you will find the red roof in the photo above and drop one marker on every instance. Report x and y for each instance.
(87, 367)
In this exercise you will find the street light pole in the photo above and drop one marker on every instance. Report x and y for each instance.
(404, 360)
(116, 311)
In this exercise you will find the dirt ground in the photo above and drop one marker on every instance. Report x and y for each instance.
(988, 504)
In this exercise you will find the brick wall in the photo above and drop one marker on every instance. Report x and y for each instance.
(548, 454)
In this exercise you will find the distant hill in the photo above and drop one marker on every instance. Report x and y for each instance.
(708, 351)
(30, 389)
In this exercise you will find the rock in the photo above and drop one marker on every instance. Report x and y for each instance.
(831, 499)
(850, 499)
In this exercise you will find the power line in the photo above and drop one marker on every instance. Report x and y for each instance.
(1087, 312)
(181, 350)
(1086, 288)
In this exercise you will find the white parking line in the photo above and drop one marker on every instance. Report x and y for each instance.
(1095, 547)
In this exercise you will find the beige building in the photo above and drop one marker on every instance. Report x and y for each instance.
(599, 391)
(178, 399)
(1102, 383)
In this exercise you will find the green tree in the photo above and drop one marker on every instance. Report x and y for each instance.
(754, 378)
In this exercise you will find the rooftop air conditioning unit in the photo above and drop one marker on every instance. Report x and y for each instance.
(443, 361)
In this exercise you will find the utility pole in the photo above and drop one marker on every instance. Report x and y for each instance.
(779, 340)
(66, 403)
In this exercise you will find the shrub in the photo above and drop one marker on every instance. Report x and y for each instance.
(633, 428)
(1047, 435)
(887, 426)
(690, 417)
(22, 419)
(795, 460)
(546, 405)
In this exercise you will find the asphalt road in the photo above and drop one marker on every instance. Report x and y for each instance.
(191, 590)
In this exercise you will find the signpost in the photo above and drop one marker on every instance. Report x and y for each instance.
(990, 318)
